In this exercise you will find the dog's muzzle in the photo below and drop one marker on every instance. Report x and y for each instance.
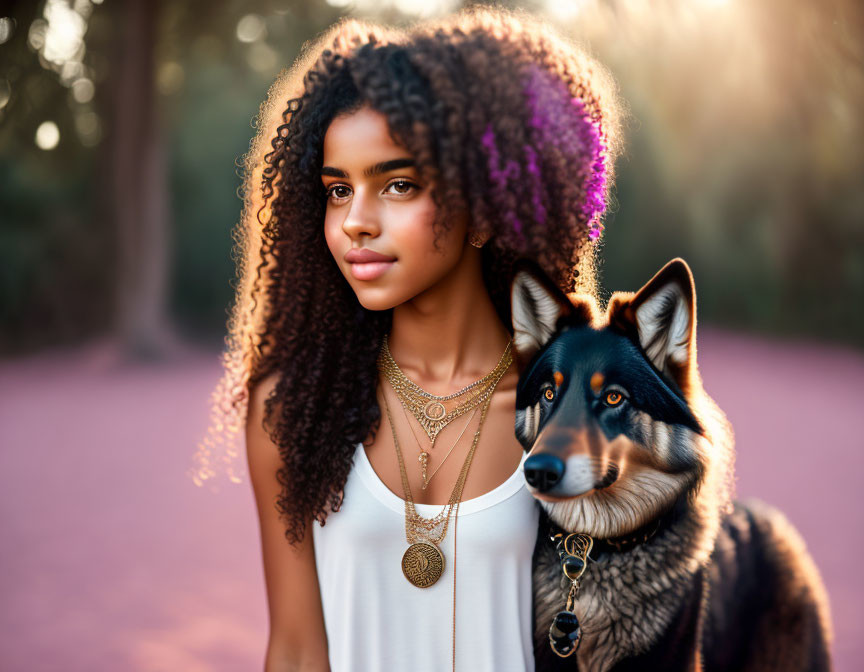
(545, 471)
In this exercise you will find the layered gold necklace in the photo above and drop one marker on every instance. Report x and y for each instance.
(423, 458)
(423, 561)
(431, 410)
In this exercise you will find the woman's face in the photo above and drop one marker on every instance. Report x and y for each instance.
(376, 202)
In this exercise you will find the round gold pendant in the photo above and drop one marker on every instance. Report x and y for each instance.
(423, 564)
(434, 410)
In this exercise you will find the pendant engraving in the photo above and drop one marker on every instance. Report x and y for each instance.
(434, 410)
(423, 564)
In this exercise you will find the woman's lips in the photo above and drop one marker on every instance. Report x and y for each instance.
(368, 264)
(363, 255)
(370, 270)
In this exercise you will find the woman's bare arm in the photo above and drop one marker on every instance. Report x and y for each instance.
(297, 639)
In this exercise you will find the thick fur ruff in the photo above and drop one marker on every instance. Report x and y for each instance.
(721, 585)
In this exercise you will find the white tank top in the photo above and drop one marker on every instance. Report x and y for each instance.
(377, 621)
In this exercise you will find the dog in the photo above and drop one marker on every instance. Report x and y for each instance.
(627, 449)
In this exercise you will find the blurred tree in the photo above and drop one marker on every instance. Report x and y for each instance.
(51, 252)
(138, 203)
(112, 194)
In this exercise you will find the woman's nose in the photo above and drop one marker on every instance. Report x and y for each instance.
(363, 216)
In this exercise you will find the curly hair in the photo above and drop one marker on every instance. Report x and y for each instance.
(508, 121)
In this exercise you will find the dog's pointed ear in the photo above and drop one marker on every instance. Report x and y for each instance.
(661, 318)
(539, 308)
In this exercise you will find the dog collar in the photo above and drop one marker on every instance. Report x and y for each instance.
(625, 542)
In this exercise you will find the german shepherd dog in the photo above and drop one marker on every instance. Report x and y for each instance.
(627, 449)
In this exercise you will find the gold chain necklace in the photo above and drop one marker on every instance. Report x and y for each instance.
(423, 561)
(429, 409)
(423, 458)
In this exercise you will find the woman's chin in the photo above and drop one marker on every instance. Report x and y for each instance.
(377, 300)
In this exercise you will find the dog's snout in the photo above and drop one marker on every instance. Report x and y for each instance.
(543, 471)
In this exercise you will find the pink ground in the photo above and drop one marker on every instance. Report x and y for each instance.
(113, 559)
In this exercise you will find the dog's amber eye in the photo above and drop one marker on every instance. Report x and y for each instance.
(549, 393)
(614, 398)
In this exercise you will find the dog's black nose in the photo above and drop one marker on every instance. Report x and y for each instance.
(543, 471)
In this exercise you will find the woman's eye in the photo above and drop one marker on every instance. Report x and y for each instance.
(613, 398)
(403, 187)
(331, 192)
(549, 394)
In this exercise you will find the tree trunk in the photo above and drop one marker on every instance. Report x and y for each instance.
(139, 198)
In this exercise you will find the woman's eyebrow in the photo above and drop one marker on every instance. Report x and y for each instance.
(371, 171)
(387, 166)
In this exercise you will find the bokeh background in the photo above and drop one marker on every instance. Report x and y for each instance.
(122, 128)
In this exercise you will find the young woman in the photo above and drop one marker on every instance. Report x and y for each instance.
(395, 178)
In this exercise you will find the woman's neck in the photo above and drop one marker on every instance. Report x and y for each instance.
(450, 335)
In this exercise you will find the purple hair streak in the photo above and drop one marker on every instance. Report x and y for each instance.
(501, 176)
(560, 120)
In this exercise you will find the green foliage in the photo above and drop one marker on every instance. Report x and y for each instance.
(55, 263)
(212, 133)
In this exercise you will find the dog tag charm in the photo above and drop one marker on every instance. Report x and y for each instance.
(573, 549)
(565, 633)
(573, 567)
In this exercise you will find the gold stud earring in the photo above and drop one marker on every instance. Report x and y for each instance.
(476, 240)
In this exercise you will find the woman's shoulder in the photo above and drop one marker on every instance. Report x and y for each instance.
(261, 390)
(257, 417)
(265, 384)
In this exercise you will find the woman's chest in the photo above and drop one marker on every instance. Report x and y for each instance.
(502, 522)
(496, 451)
